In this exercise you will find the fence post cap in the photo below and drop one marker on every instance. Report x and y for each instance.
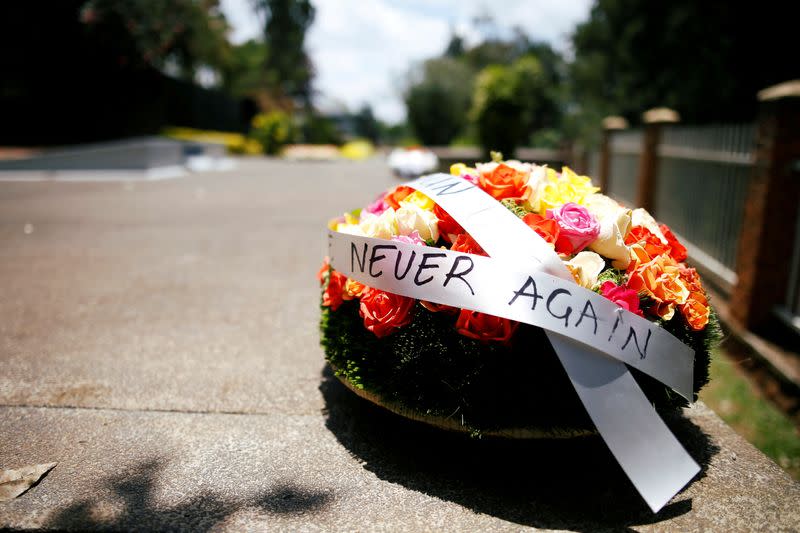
(660, 115)
(615, 122)
(786, 89)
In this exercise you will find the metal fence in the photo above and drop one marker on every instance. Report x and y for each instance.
(625, 147)
(702, 185)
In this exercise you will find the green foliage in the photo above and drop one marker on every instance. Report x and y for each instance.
(366, 125)
(243, 75)
(509, 103)
(438, 101)
(186, 34)
(741, 405)
(429, 367)
(273, 130)
(511, 205)
(692, 56)
(317, 129)
(287, 67)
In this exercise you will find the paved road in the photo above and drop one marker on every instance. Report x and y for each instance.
(159, 340)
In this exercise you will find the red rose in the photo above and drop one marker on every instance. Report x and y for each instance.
(549, 230)
(623, 297)
(648, 240)
(676, 250)
(323, 270)
(332, 295)
(439, 308)
(396, 195)
(466, 244)
(448, 227)
(505, 182)
(383, 312)
(485, 327)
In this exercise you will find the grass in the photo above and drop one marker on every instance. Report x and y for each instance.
(731, 395)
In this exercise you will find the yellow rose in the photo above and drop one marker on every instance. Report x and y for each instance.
(557, 189)
(418, 199)
(457, 169)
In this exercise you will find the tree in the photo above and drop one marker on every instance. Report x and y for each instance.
(438, 101)
(510, 103)
(366, 125)
(287, 68)
(705, 59)
(181, 35)
(439, 95)
(243, 73)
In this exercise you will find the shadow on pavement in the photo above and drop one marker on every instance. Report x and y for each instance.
(560, 484)
(142, 512)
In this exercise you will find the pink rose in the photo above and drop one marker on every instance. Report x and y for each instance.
(625, 298)
(378, 206)
(470, 178)
(577, 224)
(411, 238)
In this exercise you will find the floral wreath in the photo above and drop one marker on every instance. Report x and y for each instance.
(621, 253)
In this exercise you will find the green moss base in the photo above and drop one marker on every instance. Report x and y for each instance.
(429, 367)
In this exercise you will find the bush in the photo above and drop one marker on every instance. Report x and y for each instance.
(273, 130)
(509, 103)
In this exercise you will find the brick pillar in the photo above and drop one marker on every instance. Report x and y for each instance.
(771, 208)
(610, 125)
(654, 119)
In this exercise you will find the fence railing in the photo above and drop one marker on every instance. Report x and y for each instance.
(703, 174)
(625, 147)
(702, 182)
(731, 193)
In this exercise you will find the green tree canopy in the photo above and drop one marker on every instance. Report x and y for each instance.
(705, 59)
(287, 68)
(180, 35)
(441, 91)
(438, 102)
(510, 103)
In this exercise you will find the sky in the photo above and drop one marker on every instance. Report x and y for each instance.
(362, 50)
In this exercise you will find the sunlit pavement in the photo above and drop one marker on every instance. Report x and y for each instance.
(158, 339)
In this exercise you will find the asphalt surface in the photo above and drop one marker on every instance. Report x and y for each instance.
(159, 341)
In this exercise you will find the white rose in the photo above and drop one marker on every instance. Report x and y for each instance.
(380, 227)
(615, 223)
(642, 218)
(537, 182)
(411, 217)
(585, 267)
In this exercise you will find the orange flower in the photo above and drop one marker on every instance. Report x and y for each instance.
(396, 195)
(353, 289)
(647, 239)
(660, 280)
(466, 244)
(485, 327)
(550, 231)
(448, 227)
(696, 310)
(383, 312)
(505, 182)
(677, 250)
(332, 295)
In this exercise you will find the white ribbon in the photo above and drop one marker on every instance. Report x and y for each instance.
(526, 281)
